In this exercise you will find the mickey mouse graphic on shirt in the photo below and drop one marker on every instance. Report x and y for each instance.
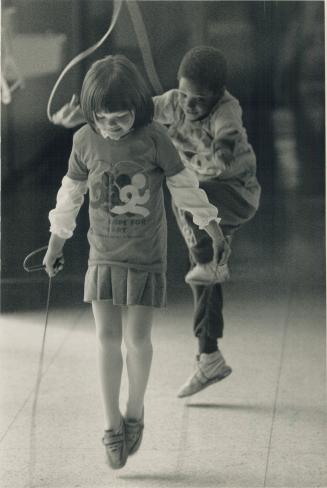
(121, 188)
(131, 195)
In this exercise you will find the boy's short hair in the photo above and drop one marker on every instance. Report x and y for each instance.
(114, 84)
(205, 66)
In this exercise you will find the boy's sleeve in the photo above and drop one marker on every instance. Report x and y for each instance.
(228, 130)
(186, 194)
(165, 107)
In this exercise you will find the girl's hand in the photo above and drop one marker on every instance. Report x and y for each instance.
(54, 259)
(221, 252)
(53, 263)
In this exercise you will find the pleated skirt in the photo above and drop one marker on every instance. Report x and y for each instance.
(125, 286)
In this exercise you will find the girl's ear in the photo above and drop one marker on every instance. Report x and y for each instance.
(132, 112)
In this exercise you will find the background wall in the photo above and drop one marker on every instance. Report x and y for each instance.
(275, 52)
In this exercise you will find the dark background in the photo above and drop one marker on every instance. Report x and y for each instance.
(275, 52)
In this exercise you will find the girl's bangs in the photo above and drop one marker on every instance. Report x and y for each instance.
(114, 97)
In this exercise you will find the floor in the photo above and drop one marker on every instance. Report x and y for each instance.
(264, 426)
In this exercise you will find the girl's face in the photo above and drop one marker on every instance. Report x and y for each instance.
(195, 101)
(114, 125)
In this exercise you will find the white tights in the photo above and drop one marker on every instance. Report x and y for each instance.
(137, 338)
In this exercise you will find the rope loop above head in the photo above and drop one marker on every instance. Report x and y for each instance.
(144, 45)
(84, 54)
(142, 39)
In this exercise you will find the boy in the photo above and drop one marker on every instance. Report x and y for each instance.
(204, 122)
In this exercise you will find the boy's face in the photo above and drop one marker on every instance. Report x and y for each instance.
(195, 101)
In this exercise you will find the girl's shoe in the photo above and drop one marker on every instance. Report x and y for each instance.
(115, 444)
(134, 433)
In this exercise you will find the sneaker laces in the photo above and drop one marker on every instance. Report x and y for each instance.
(113, 441)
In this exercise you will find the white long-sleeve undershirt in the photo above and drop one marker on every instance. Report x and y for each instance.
(184, 189)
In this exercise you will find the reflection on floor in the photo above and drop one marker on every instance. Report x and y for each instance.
(264, 426)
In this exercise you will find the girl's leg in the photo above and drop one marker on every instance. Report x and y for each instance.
(108, 321)
(139, 356)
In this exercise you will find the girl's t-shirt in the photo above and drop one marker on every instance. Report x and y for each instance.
(126, 205)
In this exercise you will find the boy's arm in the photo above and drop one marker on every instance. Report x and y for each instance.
(70, 115)
(229, 137)
(165, 107)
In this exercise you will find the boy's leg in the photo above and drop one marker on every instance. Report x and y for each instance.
(234, 212)
(208, 301)
(208, 321)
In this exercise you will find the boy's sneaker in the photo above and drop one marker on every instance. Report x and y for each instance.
(210, 368)
(207, 274)
(134, 433)
(115, 444)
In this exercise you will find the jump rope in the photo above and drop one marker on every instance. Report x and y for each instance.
(144, 45)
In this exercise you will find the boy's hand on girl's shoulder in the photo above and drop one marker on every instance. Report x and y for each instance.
(70, 114)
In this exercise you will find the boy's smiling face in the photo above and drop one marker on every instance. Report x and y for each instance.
(195, 101)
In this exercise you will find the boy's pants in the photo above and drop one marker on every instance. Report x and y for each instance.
(208, 300)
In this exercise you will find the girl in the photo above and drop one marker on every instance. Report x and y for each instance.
(122, 157)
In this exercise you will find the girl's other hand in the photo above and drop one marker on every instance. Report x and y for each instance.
(222, 251)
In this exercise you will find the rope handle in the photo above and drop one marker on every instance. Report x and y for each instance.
(38, 267)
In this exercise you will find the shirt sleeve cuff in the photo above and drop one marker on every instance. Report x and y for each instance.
(203, 222)
(186, 194)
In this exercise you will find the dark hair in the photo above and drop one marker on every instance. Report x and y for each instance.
(206, 66)
(114, 84)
